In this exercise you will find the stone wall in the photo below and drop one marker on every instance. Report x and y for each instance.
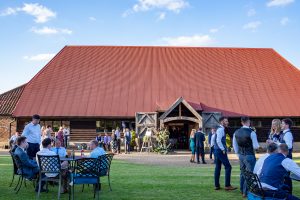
(4, 129)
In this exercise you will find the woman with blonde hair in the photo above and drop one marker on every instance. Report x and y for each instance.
(192, 145)
(275, 131)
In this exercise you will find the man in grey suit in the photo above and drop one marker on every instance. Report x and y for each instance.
(199, 139)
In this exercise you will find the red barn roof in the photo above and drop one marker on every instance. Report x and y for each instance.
(110, 81)
(9, 100)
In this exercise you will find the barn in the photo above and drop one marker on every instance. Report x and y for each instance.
(93, 88)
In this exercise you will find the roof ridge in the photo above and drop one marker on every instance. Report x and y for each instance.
(158, 46)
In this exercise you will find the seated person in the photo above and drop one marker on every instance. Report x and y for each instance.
(47, 152)
(273, 172)
(30, 167)
(58, 149)
(271, 149)
(96, 150)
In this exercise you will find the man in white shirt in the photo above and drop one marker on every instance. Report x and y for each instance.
(273, 172)
(271, 149)
(287, 136)
(46, 151)
(221, 157)
(244, 145)
(58, 149)
(32, 132)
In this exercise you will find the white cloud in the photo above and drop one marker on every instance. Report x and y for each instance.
(162, 16)
(215, 30)
(284, 21)
(8, 11)
(279, 2)
(92, 18)
(40, 57)
(252, 25)
(51, 31)
(251, 12)
(41, 13)
(195, 40)
(146, 5)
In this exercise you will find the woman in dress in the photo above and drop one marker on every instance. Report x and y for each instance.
(113, 142)
(60, 136)
(275, 131)
(192, 145)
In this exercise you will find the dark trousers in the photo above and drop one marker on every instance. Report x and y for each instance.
(66, 141)
(32, 149)
(220, 159)
(200, 151)
(211, 152)
(247, 162)
(279, 194)
(288, 180)
(119, 145)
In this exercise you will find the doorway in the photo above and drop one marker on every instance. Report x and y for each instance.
(180, 133)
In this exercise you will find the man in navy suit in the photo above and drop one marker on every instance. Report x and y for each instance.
(30, 167)
(199, 139)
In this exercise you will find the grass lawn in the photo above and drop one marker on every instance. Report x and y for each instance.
(134, 181)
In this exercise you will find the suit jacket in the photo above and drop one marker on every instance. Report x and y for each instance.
(199, 139)
(30, 167)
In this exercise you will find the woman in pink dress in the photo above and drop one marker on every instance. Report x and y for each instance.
(60, 136)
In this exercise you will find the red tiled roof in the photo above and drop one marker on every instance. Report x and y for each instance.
(113, 81)
(9, 100)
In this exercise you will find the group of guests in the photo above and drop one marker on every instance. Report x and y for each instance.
(197, 139)
(62, 134)
(273, 169)
(27, 147)
(113, 142)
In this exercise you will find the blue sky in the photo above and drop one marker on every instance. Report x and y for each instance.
(32, 32)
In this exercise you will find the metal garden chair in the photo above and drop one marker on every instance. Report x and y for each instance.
(50, 170)
(105, 162)
(86, 171)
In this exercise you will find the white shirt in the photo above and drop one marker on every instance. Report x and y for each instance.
(212, 140)
(290, 166)
(32, 133)
(253, 138)
(13, 138)
(288, 138)
(118, 134)
(220, 134)
(47, 152)
(259, 163)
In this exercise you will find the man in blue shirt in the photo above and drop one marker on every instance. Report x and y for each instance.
(96, 150)
(32, 132)
(58, 149)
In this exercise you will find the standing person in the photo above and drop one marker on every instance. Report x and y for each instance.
(212, 143)
(107, 140)
(244, 144)
(48, 132)
(118, 137)
(287, 136)
(66, 133)
(192, 145)
(210, 139)
(113, 142)
(32, 132)
(13, 140)
(60, 136)
(127, 137)
(199, 144)
(273, 171)
(275, 132)
(221, 157)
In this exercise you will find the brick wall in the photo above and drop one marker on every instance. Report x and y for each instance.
(4, 129)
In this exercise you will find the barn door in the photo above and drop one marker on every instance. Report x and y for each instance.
(144, 120)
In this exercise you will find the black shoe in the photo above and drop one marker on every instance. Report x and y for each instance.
(217, 188)
(204, 162)
(198, 162)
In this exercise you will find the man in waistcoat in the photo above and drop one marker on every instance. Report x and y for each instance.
(275, 168)
(221, 157)
(244, 144)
